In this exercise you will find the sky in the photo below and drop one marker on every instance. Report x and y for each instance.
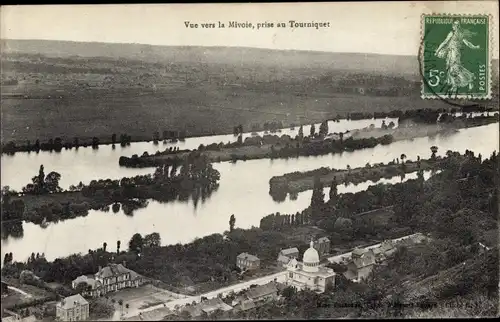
(378, 27)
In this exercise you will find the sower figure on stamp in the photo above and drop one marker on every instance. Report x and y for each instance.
(457, 75)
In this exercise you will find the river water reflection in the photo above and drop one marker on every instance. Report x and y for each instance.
(243, 191)
(86, 164)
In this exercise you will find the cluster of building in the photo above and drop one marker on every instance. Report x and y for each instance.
(111, 278)
(249, 299)
(309, 273)
(361, 261)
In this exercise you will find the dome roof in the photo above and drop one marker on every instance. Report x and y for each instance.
(311, 255)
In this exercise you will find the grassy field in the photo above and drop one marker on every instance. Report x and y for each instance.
(198, 111)
(197, 90)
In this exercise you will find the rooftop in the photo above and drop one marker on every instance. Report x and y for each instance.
(245, 305)
(283, 259)
(248, 257)
(323, 240)
(207, 306)
(72, 301)
(322, 271)
(289, 251)
(358, 251)
(113, 270)
(363, 262)
(89, 280)
(261, 290)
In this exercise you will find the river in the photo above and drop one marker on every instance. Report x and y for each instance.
(86, 164)
(243, 191)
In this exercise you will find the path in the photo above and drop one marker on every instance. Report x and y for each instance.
(19, 291)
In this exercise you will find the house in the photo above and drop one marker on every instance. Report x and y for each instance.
(362, 253)
(111, 278)
(93, 288)
(283, 260)
(285, 255)
(262, 293)
(322, 245)
(308, 274)
(246, 261)
(72, 308)
(244, 305)
(386, 249)
(361, 264)
(207, 307)
(256, 296)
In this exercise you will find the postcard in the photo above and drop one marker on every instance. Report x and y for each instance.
(249, 161)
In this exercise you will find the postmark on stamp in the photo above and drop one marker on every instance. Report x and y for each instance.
(455, 57)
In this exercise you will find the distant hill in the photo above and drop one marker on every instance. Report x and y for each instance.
(289, 59)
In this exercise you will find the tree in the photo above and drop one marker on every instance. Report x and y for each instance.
(317, 198)
(301, 132)
(81, 287)
(113, 138)
(120, 302)
(333, 190)
(152, 240)
(434, 150)
(95, 142)
(40, 180)
(136, 243)
(323, 128)
(104, 245)
(289, 292)
(313, 130)
(232, 221)
(52, 182)
(118, 244)
(403, 157)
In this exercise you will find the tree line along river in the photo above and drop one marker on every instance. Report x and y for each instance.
(242, 184)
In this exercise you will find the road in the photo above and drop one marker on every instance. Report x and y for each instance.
(280, 277)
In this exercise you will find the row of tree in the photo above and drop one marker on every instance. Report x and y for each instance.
(279, 221)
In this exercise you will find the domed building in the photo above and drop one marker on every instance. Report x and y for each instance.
(309, 274)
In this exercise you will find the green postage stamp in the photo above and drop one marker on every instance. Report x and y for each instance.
(455, 57)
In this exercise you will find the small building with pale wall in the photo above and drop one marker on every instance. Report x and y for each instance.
(72, 308)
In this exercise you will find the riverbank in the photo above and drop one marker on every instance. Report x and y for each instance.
(38, 204)
(273, 146)
(65, 142)
(295, 182)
